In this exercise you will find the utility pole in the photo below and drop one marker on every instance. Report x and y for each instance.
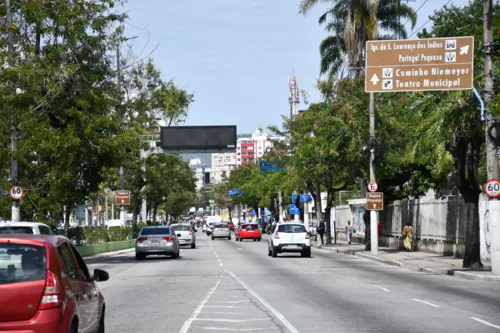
(14, 170)
(119, 31)
(293, 99)
(491, 133)
(373, 213)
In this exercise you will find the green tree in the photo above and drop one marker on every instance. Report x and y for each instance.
(351, 24)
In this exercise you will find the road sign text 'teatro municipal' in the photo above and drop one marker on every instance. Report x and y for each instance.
(420, 64)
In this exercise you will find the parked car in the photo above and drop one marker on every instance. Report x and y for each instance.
(46, 287)
(289, 237)
(185, 233)
(221, 230)
(157, 240)
(31, 228)
(230, 224)
(248, 231)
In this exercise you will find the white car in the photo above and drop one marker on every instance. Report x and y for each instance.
(185, 233)
(289, 237)
(30, 228)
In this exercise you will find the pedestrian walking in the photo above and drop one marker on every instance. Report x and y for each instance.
(321, 230)
(408, 237)
(348, 232)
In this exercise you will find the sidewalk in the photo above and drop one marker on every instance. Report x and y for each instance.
(90, 259)
(416, 261)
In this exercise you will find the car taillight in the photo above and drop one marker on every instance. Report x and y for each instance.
(168, 239)
(308, 235)
(190, 229)
(141, 239)
(51, 295)
(276, 235)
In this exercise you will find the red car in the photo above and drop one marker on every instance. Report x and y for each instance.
(230, 225)
(45, 287)
(248, 231)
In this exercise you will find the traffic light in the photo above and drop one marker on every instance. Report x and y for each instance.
(207, 177)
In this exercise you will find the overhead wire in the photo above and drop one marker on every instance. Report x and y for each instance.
(423, 25)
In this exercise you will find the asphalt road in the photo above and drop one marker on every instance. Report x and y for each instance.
(229, 286)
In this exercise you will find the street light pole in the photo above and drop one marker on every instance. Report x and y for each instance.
(373, 213)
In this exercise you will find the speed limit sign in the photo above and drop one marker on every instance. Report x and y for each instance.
(16, 192)
(492, 188)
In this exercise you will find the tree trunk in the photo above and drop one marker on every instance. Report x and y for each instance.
(155, 208)
(67, 213)
(472, 258)
(328, 209)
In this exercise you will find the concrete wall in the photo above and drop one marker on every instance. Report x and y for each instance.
(439, 224)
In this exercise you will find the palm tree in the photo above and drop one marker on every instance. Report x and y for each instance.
(351, 23)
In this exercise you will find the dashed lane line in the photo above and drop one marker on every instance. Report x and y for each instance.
(428, 303)
(231, 320)
(266, 329)
(379, 287)
(484, 322)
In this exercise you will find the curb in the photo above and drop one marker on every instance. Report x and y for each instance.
(105, 255)
(438, 271)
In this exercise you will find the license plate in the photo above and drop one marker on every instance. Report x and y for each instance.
(291, 246)
(154, 242)
(4, 256)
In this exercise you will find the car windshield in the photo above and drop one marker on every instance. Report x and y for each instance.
(181, 227)
(220, 225)
(155, 231)
(16, 230)
(292, 228)
(22, 263)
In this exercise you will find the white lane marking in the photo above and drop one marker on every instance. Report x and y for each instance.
(231, 301)
(237, 329)
(355, 279)
(240, 248)
(428, 303)
(222, 306)
(195, 313)
(278, 315)
(231, 320)
(221, 264)
(218, 312)
(379, 287)
(485, 322)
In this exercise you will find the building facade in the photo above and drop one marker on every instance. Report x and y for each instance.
(250, 149)
(222, 164)
(200, 171)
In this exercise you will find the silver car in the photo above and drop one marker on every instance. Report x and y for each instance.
(185, 233)
(221, 230)
(156, 240)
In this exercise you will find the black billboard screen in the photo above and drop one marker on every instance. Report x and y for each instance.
(198, 139)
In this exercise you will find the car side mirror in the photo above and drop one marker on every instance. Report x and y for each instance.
(100, 275)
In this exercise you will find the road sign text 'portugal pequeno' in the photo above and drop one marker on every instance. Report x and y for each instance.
(420, 64)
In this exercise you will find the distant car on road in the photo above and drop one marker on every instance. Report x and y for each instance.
(248, 231)
(157, 240)
(31, 228)
(221, 230)
(230, 224)
(46, 287)
(289, 237)
(185, 233)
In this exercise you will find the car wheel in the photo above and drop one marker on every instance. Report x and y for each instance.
(269, 253)
(306, 253)
(212, 237)
(241, 239)
(258, 239)
(74, 327)
(100, 328)
(254, 239)
(175, 255)
(275, 252)
(139, 256)
(229, 238)
(193, 246)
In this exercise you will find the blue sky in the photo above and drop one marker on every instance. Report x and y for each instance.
(236, 55)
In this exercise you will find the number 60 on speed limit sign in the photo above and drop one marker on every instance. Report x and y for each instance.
(492, 188)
